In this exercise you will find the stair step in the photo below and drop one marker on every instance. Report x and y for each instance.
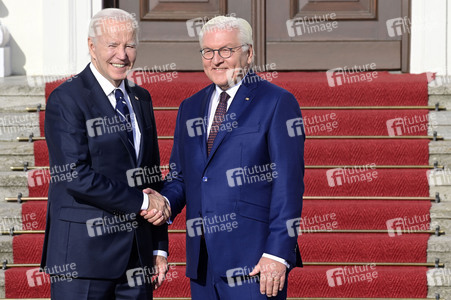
(169, 108)
(379, 214)
(324, 248)
(309, 281)
(15, 153)
(399, 152)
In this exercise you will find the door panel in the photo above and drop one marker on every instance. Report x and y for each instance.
(169, 29)
(292, 34)
(180, 9)
(351, 9)
(321, 35)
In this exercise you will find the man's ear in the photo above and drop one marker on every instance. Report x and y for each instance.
(91, 47)
(250, 57)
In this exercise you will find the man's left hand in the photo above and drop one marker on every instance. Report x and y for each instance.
(160, 264)
(272, 276)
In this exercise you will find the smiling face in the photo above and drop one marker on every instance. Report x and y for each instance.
(113, 52)
(224, 71)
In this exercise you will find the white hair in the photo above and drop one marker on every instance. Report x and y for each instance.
(221, 23)
(105, 17)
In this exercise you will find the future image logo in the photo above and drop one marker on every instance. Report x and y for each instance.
(398, 26)
(248, 175)
(295, 127)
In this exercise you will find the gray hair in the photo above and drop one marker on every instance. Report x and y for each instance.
(220, 23)
(108, 16)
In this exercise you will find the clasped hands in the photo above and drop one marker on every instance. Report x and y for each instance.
(158, 211)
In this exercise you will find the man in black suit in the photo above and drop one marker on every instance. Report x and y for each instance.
(103, 131)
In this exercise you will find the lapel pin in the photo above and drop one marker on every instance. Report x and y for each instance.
(136, 98)
(247, 99)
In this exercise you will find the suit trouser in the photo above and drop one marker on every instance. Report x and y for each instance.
(102, 289)
(211, 287)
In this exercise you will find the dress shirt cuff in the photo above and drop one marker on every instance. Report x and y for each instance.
(160, 253)
(169, 222)
(276, 258)
(145, 204)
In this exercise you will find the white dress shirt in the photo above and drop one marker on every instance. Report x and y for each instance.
(108, 88)
(215, 102)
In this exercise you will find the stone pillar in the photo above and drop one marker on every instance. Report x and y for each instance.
(5, 52)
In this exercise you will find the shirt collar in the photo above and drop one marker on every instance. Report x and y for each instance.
(106, 86)
(230, 91)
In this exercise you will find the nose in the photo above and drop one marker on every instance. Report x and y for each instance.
(217, 59)
(121, 53)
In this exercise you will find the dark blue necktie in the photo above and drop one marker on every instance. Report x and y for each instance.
(124, 114)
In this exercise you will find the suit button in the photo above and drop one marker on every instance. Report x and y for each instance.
(205, 179)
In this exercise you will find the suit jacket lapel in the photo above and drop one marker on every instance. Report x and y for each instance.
(240, 103)
(139, 115)
(101, 104)
(204, 113)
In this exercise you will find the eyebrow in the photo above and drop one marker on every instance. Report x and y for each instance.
(226, 46)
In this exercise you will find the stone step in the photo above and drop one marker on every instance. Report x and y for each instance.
(19, 92)
(6, 248)
(15, 154)
(11, 184)
(439, 282)
(444, 131)
(440, 151)
(440, 92)
(444, 292)
(22, 86)
(441, 216)
(14, 124)
(10, 215)
(2, 283)
(439, 247)
(19, 103)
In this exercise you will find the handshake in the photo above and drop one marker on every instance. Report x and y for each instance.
(158, 211)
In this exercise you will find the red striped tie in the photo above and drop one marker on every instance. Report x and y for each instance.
(219, 117)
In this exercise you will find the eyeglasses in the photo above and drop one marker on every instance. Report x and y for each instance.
(224, 52)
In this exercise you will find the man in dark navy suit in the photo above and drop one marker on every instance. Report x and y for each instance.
(238, 160)
(104, 130)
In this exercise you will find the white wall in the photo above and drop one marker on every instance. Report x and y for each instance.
(431, 37)
(49, 37)
(23, 18)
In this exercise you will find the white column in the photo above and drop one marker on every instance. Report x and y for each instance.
(66, 35)
(430, 37)
(24, 21)
(5, 52)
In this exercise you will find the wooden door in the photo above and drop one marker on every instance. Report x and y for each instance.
(326, 34)
(288, 34)
(169, 28)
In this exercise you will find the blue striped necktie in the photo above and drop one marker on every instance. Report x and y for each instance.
(124, 114)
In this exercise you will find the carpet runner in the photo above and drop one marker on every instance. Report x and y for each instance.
(322, 152)
(311, 89)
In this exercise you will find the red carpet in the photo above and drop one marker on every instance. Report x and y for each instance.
(339, 122)
(331, 123)
(315, 247)
(349, 214)
(308, 281)
(323, 152)
(387, 183)
(311, 89)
